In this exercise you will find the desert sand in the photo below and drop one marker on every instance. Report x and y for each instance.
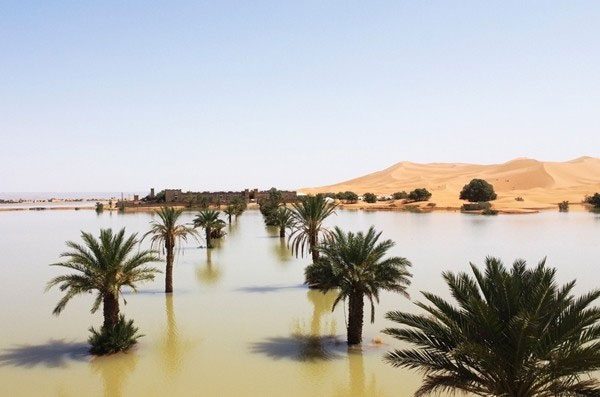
(542, 185)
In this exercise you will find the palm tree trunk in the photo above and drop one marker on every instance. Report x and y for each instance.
(229, 217)
(110, 308)
(355, 318)
(313, 247)
(282, 232)
(169, 269)
(208, 241)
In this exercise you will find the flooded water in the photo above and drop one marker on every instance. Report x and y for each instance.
(240, 322)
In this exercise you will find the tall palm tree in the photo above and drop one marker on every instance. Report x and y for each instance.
(208, 220)
(357, 267)
(166, 232)
(103, 266)
(510, 332)
(308, 215)
(230, 210)
(283, 219)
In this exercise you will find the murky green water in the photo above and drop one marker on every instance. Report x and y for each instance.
(240, 323)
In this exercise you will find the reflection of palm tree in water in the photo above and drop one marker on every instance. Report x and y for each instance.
(322, 304)
(208, 274)
(357, 386)
(173, 347)
(114, 370)
(282, 251)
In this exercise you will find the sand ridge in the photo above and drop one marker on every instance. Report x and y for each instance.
(540, 184)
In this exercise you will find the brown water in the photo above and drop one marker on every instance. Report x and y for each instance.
(240, 323)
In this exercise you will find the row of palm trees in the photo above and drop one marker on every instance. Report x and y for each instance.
(510, 332)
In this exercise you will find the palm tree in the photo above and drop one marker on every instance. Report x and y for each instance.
(103, 266)
(356, 266)
(208, 220)
(512, 332)
(283, 219)
(230, 210)
(166, 232)
(308, 216)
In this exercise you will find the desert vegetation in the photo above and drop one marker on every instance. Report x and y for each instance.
(308, 216)
(369, 198)
(478, 190)
(357, 267)
(510, 332)
(104, 266)
(420, 194)
(164, 234)
(211, 223)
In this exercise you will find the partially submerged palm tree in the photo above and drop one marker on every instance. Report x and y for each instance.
(283, 219)
(230, 210)
(356, 265)
(208, 220)
(166, 233)
(104, 266)
(308, 216)
(512, 332)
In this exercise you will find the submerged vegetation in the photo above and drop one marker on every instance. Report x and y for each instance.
(165, 233)
(357, 267)
(209, 221)
(308, 216)
(283, 219)
(512, 332)
(104, 266)
(117, 338)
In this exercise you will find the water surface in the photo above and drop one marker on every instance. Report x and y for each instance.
(240, 322)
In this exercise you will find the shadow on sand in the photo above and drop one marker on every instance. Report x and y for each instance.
(53, 354)
(303, 348)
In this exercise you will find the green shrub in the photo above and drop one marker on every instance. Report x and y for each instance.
(113, 340)
(369, 198)
(481, 206)
(348, 197)
(563, 206)
(478, 190)
(99, 207)
(593, 200)
(421, 194)
(400, 195)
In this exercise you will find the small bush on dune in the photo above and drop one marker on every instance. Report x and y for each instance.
(400, 195)
(369, 198)
(478, 190)
(593, 200)
(563, 206)
(113, 340)
(421, 194)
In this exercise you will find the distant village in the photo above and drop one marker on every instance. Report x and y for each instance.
(177, 197)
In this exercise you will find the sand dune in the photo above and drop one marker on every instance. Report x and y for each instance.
(540, 184)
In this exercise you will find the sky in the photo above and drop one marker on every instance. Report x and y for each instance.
(220, 95)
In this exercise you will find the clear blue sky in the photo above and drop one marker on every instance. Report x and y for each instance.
(109, 96)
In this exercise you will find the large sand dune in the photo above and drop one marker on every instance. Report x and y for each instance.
(540, 184)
